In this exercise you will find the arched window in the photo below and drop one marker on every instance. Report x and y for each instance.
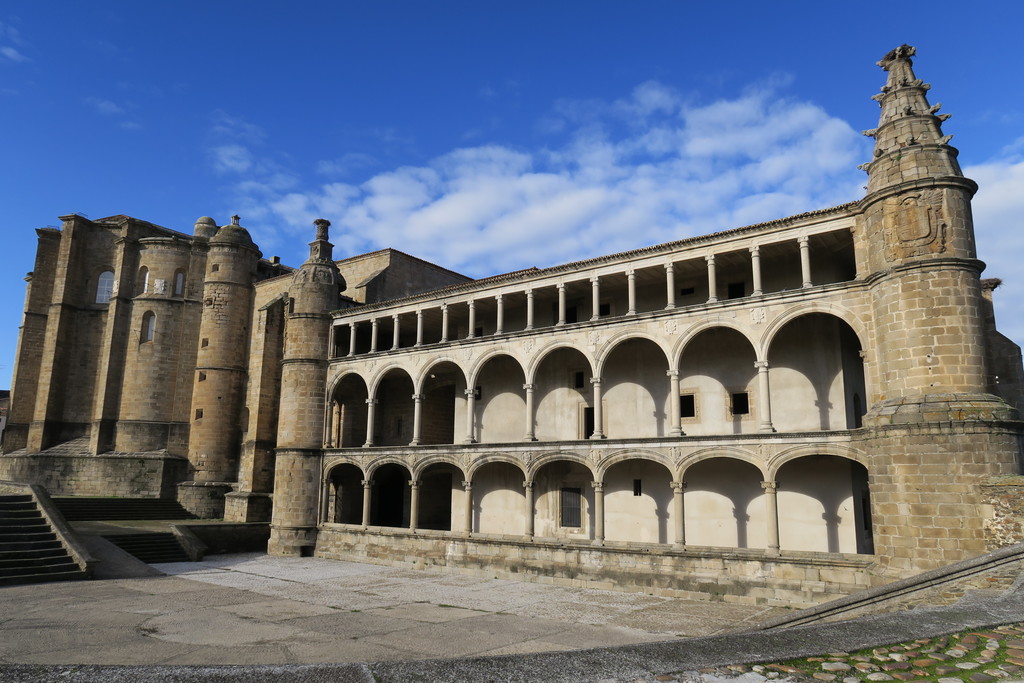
(143, 284)
(105, 287)
(148, 327)
(179, 283)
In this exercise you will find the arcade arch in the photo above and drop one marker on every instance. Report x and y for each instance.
(817, 375)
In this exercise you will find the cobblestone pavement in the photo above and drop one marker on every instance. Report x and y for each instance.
(975, 656)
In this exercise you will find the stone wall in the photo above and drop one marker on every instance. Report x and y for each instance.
(740, 576)
(140, 475)
(1004, 526)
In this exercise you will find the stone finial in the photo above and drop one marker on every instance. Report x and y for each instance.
(235, 219)
(322, 224)
(902, 52)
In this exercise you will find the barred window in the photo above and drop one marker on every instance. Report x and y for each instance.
(572, 507)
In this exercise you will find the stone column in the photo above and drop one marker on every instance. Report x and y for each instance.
(670, 285)
(417, 424)
(414, 504)
(764, 397)
(755, 270)
(472, 320)
(367, 492)
(470, 410)
(561, 303)
(805, 261)
(325, 502)
(352, 339)
(528, 490)
(394, 333)
(444, 323)
(675, 428)
(598, 512)
(598, 410)
(468, 508)
(373, 335)
(529, 309)
(712, 280)
(595, 297)
(771, 505)
(678, 512)
(631, 291)
(370, 403)
(499, 325)
(419, 328)
(530, 436)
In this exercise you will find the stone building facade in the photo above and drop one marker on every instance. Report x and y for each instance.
(779, 412)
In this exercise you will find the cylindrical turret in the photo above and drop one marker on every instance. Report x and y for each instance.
(924, 270)
(313, 295)
(219, 389)
(154, 347)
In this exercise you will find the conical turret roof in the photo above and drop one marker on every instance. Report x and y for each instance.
(909, 142)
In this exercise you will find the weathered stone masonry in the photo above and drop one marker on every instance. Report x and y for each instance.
(777, 413)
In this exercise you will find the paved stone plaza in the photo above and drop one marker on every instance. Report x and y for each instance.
(255, 609)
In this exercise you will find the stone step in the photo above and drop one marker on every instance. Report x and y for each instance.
(14, 499)
(17, 505)
(19, 579)
(8, 517)
(57, 566)
(31, 554)
(19, 534)
(80, 508)
(151, 547)
(18, 546)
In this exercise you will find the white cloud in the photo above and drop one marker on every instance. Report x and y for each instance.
(231, 159)
(999, 224)
(647, 168)
(345, 164)
(104, 107)
(228, 127)
(12, 54)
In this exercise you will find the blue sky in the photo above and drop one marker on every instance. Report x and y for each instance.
(485, 136)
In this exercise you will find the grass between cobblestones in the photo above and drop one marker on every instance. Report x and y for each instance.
(972, 656)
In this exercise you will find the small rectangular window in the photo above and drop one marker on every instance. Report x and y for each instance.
(579, 380)
(398, 426)
(687, 405)
(202, 376)
(588, 422)
(204, 343)
(636, 488)
(736, 290)
(604, 310)
(215, 267)
(741, 403)
(571, 508)
(199, 413)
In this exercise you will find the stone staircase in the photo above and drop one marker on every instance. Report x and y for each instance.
(81, 509)
(30, 550)
(150, 547)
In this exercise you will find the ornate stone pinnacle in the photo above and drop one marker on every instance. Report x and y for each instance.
(904, 51)
(322, 224)
(235, 219)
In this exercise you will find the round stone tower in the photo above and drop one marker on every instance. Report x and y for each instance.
(925, 284)
(218, 393)
(934, 431)
(312, 296)
(149, 397)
